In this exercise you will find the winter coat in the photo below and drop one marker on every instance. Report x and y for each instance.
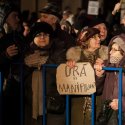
(34, 59)
(108, 83)
(81, 105)
(11, 69)
(5, 61)
(110, 90)
(74, 53)
(61, 42)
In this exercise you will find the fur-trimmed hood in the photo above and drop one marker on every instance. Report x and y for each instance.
(74, 53)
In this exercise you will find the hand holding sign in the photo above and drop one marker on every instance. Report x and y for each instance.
(78, 80)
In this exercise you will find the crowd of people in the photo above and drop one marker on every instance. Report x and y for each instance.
(55, 38)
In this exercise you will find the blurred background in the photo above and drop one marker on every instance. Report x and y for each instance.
(35, 5)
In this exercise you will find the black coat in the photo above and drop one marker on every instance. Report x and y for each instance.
(5, 42)
(61, 42)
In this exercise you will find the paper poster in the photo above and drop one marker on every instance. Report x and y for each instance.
(93, 8)
(79, 80)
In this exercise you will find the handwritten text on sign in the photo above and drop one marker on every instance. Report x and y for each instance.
(79, 80)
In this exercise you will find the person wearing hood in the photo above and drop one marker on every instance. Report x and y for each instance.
(88, 50)
(37, 55)
(107, 81)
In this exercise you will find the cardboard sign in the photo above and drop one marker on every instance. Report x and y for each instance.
(79, 80)
(93, 8)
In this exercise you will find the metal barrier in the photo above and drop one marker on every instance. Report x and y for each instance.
(0, 98)
(119, 90)
(92, 96)
(67, 96)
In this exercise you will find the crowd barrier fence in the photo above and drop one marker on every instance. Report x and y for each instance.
(120, 70)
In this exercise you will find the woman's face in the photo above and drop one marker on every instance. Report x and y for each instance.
(42, 39)
(115, 54)
(94, 43)
(103, 31)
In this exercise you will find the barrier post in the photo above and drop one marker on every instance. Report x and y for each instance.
(21, 95)
(44, 95)
(0, 99)
(67, 109)
(93, 109)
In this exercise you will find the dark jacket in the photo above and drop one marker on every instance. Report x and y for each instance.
(5, 42)
(108, 84)
(61, 42)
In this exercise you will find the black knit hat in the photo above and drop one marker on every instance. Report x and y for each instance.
(39, 27)
(51, 8)
(85, 35)
(96, 21)
(5, 9)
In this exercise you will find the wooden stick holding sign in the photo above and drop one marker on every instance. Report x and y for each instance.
(79, 80)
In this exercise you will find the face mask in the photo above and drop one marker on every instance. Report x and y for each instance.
(115, 59)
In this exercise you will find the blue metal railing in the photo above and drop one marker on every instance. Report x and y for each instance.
(67, 96)
(119, 90)
(92, 96)
(0, 98)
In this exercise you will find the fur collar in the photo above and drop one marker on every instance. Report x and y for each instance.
(74, 53)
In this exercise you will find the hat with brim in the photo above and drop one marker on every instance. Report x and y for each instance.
(51, 8)
(86, 34)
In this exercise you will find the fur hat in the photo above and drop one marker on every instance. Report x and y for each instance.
(85, 35)
(5, 9)
(39, 27)
(51, 8)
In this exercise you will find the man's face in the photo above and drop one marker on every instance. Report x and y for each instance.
(48, 18)
(13, 20)
(115, 54)
(103, 31)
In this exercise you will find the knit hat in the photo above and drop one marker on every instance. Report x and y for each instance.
(96, 21)
(51, 8)
(120, 42)
(86, 34)
(5, 9)
(39, 27)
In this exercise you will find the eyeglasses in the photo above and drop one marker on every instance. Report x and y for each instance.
(44, 35)
(114, 50)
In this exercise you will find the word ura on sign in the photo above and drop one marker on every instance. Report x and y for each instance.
(75, 71)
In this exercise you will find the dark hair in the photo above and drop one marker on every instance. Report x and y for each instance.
(5, 9)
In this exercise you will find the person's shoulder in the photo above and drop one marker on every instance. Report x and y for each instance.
(74, 53)
(103, 52)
